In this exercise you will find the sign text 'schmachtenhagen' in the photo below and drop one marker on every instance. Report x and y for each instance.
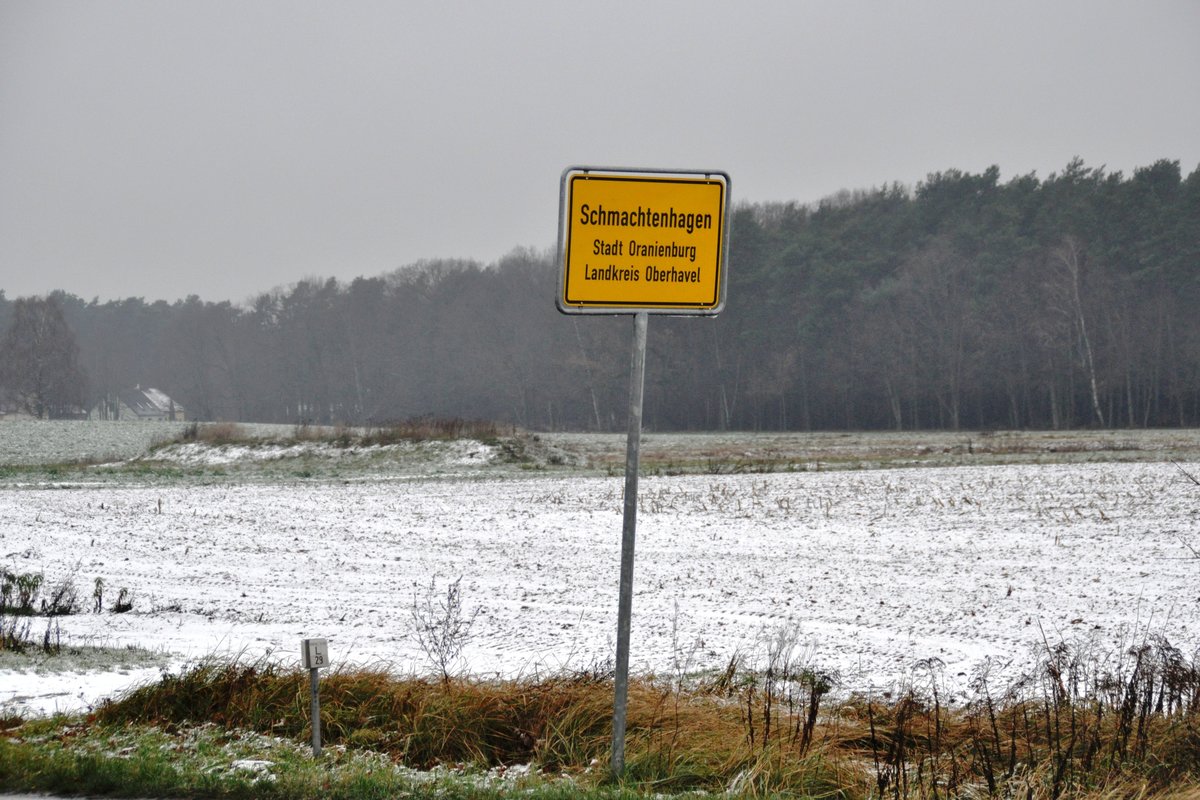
(636, 242)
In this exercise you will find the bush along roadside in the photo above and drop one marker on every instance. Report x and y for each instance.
(1082, 725)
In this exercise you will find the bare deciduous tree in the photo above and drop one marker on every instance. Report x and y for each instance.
(39, 360)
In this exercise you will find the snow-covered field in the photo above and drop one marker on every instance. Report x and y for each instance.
(29, 441)
(875, 570)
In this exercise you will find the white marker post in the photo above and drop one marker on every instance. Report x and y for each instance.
(314, 655)
(640, 242)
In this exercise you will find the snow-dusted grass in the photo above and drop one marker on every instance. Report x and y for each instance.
(209, 760)
(874, 570)
(28, 442)
(41, 442)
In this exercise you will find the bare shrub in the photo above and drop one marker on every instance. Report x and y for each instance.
(63, 598)
(441, 624)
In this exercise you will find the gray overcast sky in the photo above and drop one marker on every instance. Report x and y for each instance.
(223, 148)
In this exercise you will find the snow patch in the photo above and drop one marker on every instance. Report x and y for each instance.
(203, 454)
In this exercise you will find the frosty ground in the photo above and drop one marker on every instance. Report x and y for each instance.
(872, 571)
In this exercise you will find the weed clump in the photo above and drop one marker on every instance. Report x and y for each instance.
(26, 594)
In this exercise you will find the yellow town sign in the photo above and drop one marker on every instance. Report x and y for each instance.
(638, 240)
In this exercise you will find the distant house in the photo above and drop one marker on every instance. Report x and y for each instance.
(139, 404)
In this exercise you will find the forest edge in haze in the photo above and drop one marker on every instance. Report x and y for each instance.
(965, 303)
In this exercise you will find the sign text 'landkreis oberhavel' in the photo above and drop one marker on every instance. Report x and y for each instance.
(642, 240)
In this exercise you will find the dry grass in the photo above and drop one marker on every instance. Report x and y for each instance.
(424, 429)
(1130, 732)
(214, 433)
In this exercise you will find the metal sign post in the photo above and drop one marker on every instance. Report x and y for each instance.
(641, 242)
(314, 655)
(633, 444)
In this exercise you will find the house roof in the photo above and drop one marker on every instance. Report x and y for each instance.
(149, 402)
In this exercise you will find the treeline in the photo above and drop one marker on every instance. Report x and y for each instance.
(966, 302)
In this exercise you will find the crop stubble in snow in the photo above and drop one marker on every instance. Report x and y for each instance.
(877, 569)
